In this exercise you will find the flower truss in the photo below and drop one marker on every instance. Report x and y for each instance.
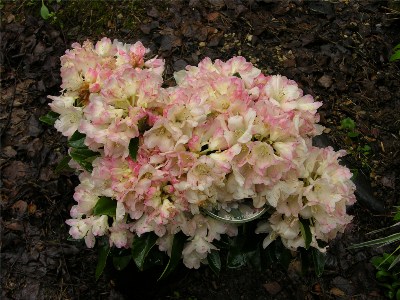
(157, 156)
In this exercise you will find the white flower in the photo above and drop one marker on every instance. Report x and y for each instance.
(70, 116)
(100, 225)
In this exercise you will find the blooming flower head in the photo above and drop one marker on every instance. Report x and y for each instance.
(225, 133)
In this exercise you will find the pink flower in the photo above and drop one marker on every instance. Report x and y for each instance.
(224, 133)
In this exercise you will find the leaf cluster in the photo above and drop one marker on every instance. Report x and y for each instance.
(349, 126)
(388, 274)
(396, 53)
(387, 265)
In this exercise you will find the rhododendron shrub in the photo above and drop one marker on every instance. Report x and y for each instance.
(152, 159)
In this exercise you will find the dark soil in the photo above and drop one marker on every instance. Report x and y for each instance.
(336, 50)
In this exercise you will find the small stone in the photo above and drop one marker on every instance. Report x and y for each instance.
(202, 44)
(325, 81)
(10, 18)
(15, 226)
(327, 130)
(273, 287)
(337, 292)
(19, 207)
(9, 152)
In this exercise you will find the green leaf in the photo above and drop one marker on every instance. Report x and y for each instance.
(84, 157)
(348, 123)
(121, 262)
(104, 250)
(282, 254)
(63, 164)
(133, 147)
(143, 125)
(154, 258)
(105, 206)
(395, 56)
(377, 261)
(50, 118)
(141, 247)
(306, 233)
(223, 242)
(214, 261)
(382, 274)
(383, 229)
(44, 12)
(396, 261)
(353, 134)
(77, 140)
(254, 258)
(176, 254)
(366, 148)
(235, 259)
(388, 239)
(319, 259)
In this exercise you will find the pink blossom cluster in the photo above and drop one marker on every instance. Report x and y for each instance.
(223, 134)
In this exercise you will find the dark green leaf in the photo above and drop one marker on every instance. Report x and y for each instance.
(143, 125)
(319, 259)
(176, 254)
(84, 157)
(44, 11)
(282, 254)
(237, 75)
(306, 233)
(104, 250)
(269, 254)
(395, 56)
(223, 242)
(77, 140)
(236, 257)
(121, 262)
(253, 258)
(214, 261)
(63, 164)
(105, 206)
(154, 258)
(134, 147)
(141, 247)
(50, 118)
